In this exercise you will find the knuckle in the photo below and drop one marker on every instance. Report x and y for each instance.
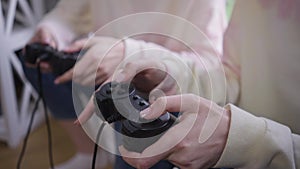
(193, 98)
(143, 164)
(193, 165)
(159, 100)
(130, 65)
(191, 101)
(182, 145)
(183, 161)
(94, 56)
(100, 69)
(103, 71)
(106, 70)
(77, 44)
(106, 76)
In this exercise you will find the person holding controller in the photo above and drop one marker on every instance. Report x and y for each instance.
(260, 46)
(260, 61)
(70, 20)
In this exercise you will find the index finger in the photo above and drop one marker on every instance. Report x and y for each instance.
(175, 103)
(43, 35)
(131, 69)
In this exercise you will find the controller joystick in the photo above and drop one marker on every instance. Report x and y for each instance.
(120, 102)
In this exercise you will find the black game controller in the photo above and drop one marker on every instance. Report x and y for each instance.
(119, 102)
(59, 61)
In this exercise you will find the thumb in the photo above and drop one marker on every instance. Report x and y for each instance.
(76, 46)
(67, 76)
(45, 36)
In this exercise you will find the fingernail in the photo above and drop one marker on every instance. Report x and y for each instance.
(145, 113)
(120, 77)
(152, 99)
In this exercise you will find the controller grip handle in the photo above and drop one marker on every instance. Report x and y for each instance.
(135, 141)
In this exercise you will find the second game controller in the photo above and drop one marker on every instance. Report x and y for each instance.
(120, 102)
(59, 61)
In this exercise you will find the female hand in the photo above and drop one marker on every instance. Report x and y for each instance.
(103, 55)
(197, 141)
(45, 36)
(147, 76)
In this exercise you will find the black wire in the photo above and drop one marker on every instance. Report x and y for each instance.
(27, 133)
(49, 135)
(40, 97)
(96, 145)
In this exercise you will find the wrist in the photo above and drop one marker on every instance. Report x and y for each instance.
(224, 130)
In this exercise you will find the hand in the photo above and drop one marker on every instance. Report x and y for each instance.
(45, 36)
(97, 64)
(197, 141)
(148, 75)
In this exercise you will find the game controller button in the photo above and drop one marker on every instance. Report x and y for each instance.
(108, 91)
(142, 103)
(135, 97)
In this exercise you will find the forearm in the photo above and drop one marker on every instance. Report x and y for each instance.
(68, 20)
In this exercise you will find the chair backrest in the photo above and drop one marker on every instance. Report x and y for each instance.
(17, 22)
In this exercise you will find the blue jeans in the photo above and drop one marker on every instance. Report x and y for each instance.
(58, 97)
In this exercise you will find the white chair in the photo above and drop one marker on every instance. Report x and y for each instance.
(17, 21)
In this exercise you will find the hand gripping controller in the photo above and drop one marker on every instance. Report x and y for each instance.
(59, 61)
(119, 102)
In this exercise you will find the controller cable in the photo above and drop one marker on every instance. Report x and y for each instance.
(113, 118)
(96, 145)
(40, 97)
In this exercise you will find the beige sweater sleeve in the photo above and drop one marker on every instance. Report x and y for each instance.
(259, 143)
(68, 20)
